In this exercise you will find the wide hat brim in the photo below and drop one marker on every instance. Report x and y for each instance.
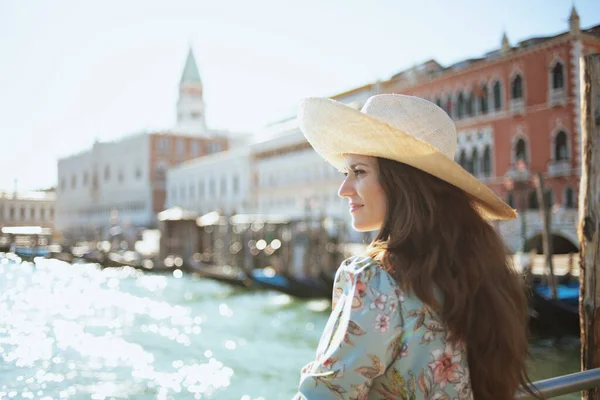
(334, 129)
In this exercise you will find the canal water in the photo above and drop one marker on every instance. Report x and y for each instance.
(80, 332)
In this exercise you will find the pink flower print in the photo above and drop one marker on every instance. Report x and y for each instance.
(393, 305)
(446, 366)
(379, 302)
(382, 323)
(361, 288)
(399, 293)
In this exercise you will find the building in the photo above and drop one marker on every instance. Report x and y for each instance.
(517, 112)
(27, 209)
(123, 182)
(220, 182)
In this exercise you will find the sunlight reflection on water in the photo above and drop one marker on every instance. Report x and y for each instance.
(80, 332)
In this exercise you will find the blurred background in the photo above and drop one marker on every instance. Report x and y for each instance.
(167, 232)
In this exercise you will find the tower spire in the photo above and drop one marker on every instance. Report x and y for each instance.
(190, 106)
(574, 26)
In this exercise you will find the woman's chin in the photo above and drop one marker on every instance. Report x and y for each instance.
(361, 226)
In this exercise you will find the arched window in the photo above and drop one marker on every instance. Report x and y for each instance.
(462, 160)
(560, 147)
(533, 200)
(517, 87)
(460, 106)
(483, 99)
(558, 79)
(107, 173)
(470, 106)
(497, 96)
(569, 198)
(487, 162)
(73, 181)
(520, 150)
(475, 163)
(449, 106)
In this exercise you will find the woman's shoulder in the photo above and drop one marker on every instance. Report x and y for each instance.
(364, 270)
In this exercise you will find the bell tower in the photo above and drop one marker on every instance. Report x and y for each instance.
(190, 106)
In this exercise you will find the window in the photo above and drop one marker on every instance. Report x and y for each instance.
(487, 162)
(162, 144)
(42, 213)
(107, 173)
(201, 189)
(180, 146)
(475, 163)
(73, 181)
(138, 173)
(517, 87)
(511, 199)
(22, 213)
(121, 177)
(195, 148)
(460, 106)
(438, 102)
(520, 151)
(449, 106)
(223, 186)
(11, 214)
(211, 187)
(569, 198)
(560, 147)
(63, 184)
(85, 178)
(160, 172)
(470, 105)
(32, 213)
(497, 96)
(483, 99)
(558, 79)
(236, 184)
(533, 200)
(192, 194)
(462, 160)
(214, 147)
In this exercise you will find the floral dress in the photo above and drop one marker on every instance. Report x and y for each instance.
(380, 343)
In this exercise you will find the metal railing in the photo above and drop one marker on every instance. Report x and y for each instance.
(565, 384)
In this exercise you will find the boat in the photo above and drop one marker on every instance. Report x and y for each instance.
(301, 287)
(560, 316)
(228, 274)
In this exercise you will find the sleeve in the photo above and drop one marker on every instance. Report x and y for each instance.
(360, 339)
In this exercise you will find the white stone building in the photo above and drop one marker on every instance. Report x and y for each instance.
(219, 182)
(123, 182)
(27, 209)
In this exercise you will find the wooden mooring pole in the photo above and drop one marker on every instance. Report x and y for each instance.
(589, 218)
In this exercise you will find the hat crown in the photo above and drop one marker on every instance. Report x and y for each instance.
(416, 117)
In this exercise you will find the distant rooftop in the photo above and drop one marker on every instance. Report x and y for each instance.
(41, 195)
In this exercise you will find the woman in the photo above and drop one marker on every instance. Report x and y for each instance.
(433, 310)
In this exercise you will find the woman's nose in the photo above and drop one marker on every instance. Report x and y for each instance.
(346, 189)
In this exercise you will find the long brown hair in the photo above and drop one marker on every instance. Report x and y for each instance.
(432, 236)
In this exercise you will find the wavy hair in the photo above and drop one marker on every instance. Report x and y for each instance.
(432, 236)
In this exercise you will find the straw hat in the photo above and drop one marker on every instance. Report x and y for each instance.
(403, 128)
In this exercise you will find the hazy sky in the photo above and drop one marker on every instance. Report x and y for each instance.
(75, 71)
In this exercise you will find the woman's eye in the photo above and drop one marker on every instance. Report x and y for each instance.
(358, 172)
(345, 173)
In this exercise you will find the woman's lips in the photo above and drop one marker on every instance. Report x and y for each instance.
(355, 207)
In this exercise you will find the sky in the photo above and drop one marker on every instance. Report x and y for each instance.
(72, 72)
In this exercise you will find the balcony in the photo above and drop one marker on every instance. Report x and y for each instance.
(559, 168)
(518, 175)
(558, 97)
(517, 106)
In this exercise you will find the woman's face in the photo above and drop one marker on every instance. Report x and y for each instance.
(364, 193)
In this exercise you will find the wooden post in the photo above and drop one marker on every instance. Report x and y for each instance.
(589, 218)
(546, 234)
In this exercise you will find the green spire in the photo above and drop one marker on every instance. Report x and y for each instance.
(190, 71)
